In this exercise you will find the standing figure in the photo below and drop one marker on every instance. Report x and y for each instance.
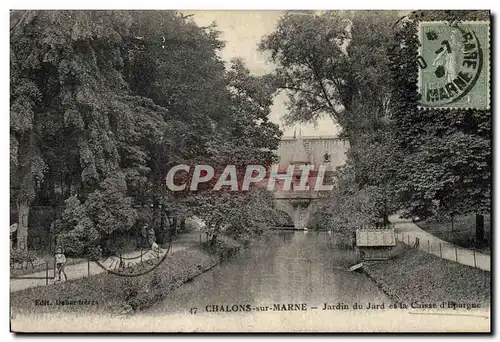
(144, 236)
(447, 60)
(60, 263)
(151, 236)
(156, 249)
(353, 241)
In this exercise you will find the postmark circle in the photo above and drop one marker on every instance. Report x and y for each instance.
(451, 63)
(135, 263)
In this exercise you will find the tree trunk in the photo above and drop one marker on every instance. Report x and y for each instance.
(155, 213)
(452, 222)
(386, 216)
(386, 220)
(172, 229)
(23, 210)
(479, 227)
(213, 240)
(162, 221)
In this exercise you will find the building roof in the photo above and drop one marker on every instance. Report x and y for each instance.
(375, 238)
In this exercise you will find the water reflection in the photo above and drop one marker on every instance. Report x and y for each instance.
(281, 267)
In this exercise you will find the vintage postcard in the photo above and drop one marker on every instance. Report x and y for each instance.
(250, 171)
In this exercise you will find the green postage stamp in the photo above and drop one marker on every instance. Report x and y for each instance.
(454, 64)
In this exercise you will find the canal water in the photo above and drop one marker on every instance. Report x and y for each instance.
(282, 267)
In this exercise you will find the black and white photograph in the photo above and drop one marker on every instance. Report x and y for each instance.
(242, 171)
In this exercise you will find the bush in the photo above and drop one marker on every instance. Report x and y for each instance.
(107, 212)
(21, 256)
(121, 295)
(222, 249)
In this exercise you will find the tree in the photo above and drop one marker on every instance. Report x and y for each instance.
(72, 117)
(447, 154)
(375, 159)
(336, 63)
(333, 64)
(103, 103)
(244, 136)
(106, 212)
(27, 166)
(240, 215)
(173, 62)
(348, 207)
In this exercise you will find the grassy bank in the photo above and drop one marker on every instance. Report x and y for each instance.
(419, 276)
(461, 233)
(115, 294)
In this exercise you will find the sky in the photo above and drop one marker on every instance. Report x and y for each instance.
(242, 32)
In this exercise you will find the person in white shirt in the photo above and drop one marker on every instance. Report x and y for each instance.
(60, 263)
(156, 249)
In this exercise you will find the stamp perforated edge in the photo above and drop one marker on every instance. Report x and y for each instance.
(487, 67)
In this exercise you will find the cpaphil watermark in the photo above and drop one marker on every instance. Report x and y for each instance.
(305, 177)
(185, 178)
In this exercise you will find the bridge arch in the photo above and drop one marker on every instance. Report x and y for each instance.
(328, 151)
(285, 207)
(299, 212)
(284, 219)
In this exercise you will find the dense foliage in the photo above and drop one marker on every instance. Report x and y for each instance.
(360, 69)
(103, 103)
(446, 168)
(329, 63)
(337, 65)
